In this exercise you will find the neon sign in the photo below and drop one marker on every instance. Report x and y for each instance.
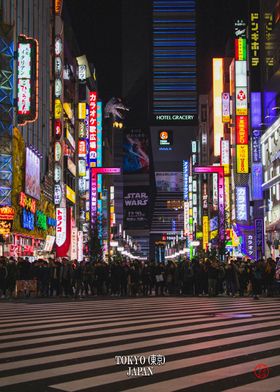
(241, 203)
(92, 128)
(41, 220)
(186, 179)
(241, 130)
(7, 213)
(217, 103)
(27, 203)
(27, 219)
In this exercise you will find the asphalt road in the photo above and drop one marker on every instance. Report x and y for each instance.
(183, 344)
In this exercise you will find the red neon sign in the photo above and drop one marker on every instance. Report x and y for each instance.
(93, 127)
(241, 129)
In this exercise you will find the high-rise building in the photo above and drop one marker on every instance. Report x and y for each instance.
(173, 110)
(160, 87)
(33, 20)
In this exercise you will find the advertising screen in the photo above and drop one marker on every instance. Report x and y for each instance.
(32, 174)
(169, 181)
(136, 207)
(136, 152)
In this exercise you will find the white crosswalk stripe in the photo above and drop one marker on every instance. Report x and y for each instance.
(210, 344)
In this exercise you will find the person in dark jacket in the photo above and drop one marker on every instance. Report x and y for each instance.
(213, 271)
(257, 277)
(11, 277)
(3, 277)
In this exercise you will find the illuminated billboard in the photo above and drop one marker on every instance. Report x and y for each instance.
(217, 103)
(241, 73)
(257, 180)
(241, 129)
(135, 152)
(205, 231)
(242, 158)
(32, 174)
(27, 79)
(186, 179)
(225, 148)
(256, 109)
(240, 48)
(165, 138)
(241, 203)
(225, 107)
(241, 101)
(93, 128)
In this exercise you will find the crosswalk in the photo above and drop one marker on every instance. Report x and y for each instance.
(208, 344)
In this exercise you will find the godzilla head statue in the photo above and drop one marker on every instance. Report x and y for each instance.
(115, 108)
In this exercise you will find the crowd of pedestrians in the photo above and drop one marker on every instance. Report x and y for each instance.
(65, 278)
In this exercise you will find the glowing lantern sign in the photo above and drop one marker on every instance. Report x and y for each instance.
(27, 79)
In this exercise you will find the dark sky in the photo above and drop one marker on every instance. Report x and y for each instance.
(97, 24)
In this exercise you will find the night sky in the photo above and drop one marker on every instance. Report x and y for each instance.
(97, 24)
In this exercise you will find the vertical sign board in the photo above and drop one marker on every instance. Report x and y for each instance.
(248, 243)
(256, 146)
(255, 40)
(205, 231)
(93, 197)
(186, 179)
(225, 156)
(217, 103)
(74, 244)
(93, 128)
(242, 158)
(27, 80)
(269, 47)
(225, 107)
(256, 110)
(227, 201)
(99, 164)
(241, 111)
(241, 203)
(240, 48)
(259, 236)
(257, 180)
(80, 252)
(60, 226)
(241, 129)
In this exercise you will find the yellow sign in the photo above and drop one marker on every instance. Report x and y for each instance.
(205, 230)
(57, 109)
(254, 37)
(81, 110)
(68, 110)
(213, 234)
(234, 238)
(70, 194)
(5, 227)
(242, 159)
